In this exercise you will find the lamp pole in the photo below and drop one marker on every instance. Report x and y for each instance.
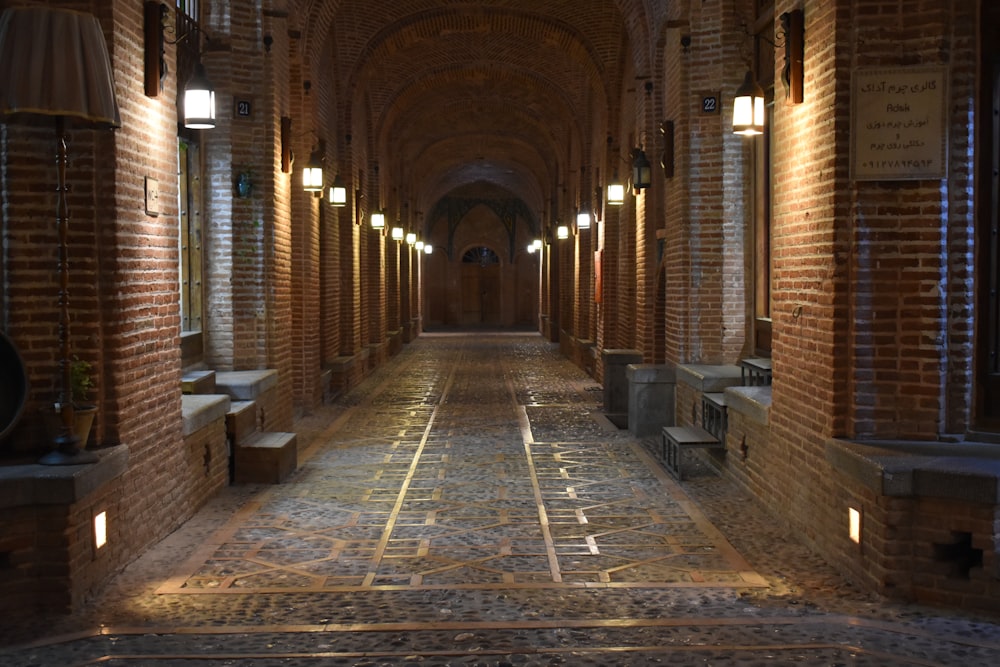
(68, 449)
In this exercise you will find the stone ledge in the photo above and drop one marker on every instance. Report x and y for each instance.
(708, 378)
(754, 403)
(342, 364)
(968, 472)
(651, 373)
(623, 357)
(36, 484)
(200, 410)
(246, 385)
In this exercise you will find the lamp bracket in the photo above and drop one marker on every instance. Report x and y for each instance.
(193, 28)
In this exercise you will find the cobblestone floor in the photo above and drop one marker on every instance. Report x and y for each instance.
(468, 505)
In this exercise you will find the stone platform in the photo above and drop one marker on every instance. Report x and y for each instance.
(469, 504)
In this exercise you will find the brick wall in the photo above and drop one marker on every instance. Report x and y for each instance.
(934, 550)
(50, 559)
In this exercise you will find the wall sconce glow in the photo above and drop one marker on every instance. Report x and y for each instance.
(378, 220)
(312, 175)
(642, 171)
(338, 193)
(616, 194)
(199, 101)
(428, 249)
(419, 245)
(100, 530)
(397, 233)
(537, 243)
(854, 524)
(748, 107)
(531, 248)
(562, 232)
(583, 220)
(411, 238)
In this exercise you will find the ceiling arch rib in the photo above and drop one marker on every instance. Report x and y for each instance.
(542, 74)
(442, 37)
(490, 100)
(488, 89)
(514, 164)
(515, 118)
(607, 28)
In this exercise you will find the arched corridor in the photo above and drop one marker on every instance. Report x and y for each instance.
(468, 504)
(197, 301)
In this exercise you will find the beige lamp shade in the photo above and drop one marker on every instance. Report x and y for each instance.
(54, 62)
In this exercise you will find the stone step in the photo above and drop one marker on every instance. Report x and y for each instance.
(266, 458)
(198, 382)
(678, 439)
(756, 371)
(241, 421)
(714, 416)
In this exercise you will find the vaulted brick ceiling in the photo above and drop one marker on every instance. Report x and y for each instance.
(451, 92)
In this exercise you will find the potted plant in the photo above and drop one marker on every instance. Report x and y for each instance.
(81, 384)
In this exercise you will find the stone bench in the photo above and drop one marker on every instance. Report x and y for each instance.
(201, 410)
(198, 382)
(677, 440)
(246, 385)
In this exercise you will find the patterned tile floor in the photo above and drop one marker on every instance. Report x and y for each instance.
(469, 505)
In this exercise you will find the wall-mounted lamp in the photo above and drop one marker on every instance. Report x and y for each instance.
(419, 245)
(748, 107)
(312, 175)
(562, 232)
(100, 530)
(378, 220)
(531, 248)
(428, 249)
(411, 238)
(854, 525)
(199, 101)
(537, 243)
(642, 171)
(397, 233)
(583, 220)
(616, 193)
(338, 193)
(199, 94)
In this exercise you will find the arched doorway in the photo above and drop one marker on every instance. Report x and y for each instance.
(480, 287)
(483, 275)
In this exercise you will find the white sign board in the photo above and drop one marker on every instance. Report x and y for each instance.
(898, 124)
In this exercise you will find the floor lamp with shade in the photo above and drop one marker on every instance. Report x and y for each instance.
(54, 63)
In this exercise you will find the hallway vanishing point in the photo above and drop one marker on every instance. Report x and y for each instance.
(468, 504)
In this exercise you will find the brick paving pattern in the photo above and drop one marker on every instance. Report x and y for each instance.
(469, 505)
